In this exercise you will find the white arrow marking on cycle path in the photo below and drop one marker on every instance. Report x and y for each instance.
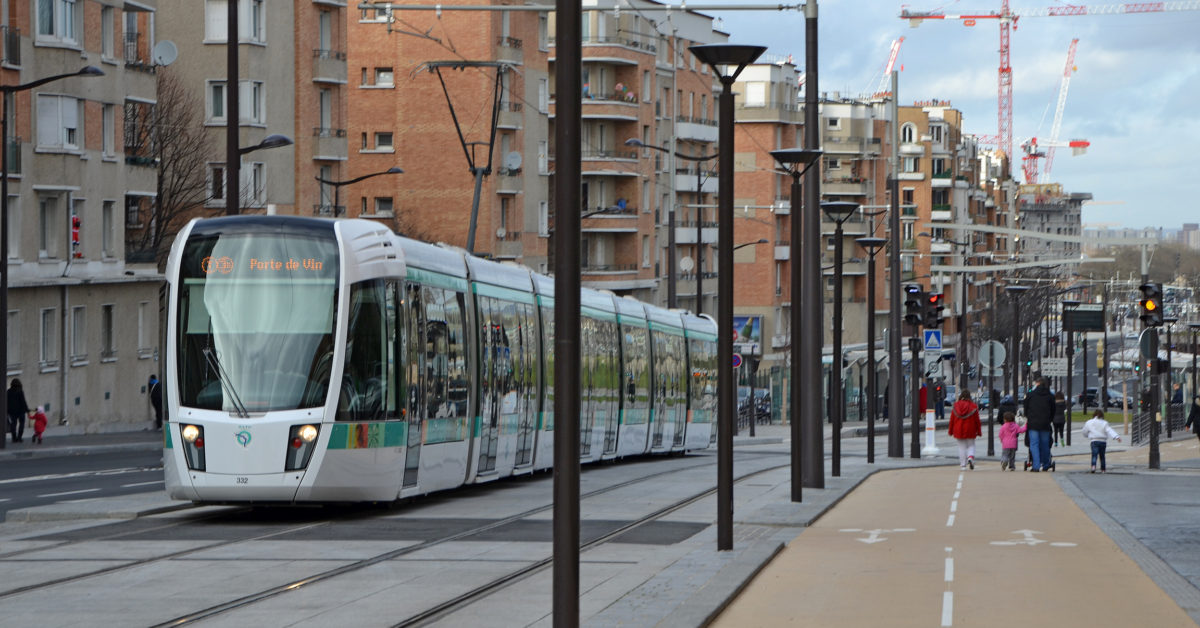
(873, 535)
(1030, 539)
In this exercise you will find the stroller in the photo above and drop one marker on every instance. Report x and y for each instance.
(1029, 450)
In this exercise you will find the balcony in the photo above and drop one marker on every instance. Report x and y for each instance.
(944, 215)
(329, 66)
(845, 186)
(685, 233)
(912, 150)
(783, 251)
(511, 115)
(685, 181)
(609, 269)
(329, 143)
(509, 181)
(695, 129)
(510, 49)
(609, 106)
(787, 112)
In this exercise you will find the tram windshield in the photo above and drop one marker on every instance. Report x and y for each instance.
(256, 321)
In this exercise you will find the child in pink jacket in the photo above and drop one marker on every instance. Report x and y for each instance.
(1008, 441)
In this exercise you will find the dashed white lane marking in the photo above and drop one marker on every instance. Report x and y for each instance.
(949, 570)
(86, 490)
(141, 484)
(950, 521)
(954, 506)
(948, 608)
(957, 493)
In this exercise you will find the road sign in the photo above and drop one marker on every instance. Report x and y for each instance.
(991, 354)
(1054, 367)
(737, 360)
(1087, 317)
(933, 365)
(933, 340)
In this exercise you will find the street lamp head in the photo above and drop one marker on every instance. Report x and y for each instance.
(633, 141)
(839, 210)
(737, 55)
(796, 158)
(394, 170)
(273, 140)
(90, 70)
(872, 245)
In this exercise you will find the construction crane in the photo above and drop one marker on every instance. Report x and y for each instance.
(1007, 19)
(884, 90)
(1029, 163)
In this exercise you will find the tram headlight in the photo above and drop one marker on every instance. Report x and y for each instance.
(302, 440)
(193, 445)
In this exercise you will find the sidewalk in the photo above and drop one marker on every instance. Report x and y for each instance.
(59, 441)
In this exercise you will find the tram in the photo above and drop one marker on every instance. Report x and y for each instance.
(317, 360)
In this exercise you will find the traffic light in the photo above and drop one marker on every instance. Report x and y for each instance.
(933, 310)
(1152, 310)
(914, 305)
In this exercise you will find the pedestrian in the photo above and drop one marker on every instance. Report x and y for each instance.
(39, 424)
(18, 408)
(1193, 418)
(1098, 431)
(1008, 441)
(965, 428)
(1060, 417)
(1039, 413)
(1177, 395)
(939, 400)
(156, 400)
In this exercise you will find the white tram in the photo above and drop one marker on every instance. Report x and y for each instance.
(314, 360)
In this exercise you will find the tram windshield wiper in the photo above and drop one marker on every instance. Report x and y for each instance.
(211, 357)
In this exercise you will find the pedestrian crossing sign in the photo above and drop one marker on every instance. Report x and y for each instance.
(933, 340)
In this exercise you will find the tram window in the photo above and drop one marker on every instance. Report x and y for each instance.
(364, 390)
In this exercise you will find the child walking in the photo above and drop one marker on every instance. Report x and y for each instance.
(1008, 441)
(1098, 431)
(39, 424)
(964, 428)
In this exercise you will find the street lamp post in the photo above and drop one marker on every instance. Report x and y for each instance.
(1169, 323)
(796, 161)
(1195, 327)
(233, 192)
(337, 185)
(872, 245)
(671, 273)
(5, 90)
(727, 62)
(1070, 304)
(839, 212)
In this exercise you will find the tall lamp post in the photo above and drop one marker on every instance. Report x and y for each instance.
(839, 212)
(727, 62)
(5, 90)
(671, 273)
(1070, 304)
(796, 161)
(337, 185)
(1169, 323)
(872, 245)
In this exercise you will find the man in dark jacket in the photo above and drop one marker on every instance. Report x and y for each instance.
(1039, 414)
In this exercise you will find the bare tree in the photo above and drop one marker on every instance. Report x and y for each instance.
(176, 136)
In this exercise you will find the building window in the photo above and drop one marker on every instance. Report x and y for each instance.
(216, 184)
(107, 32)
(645, 251)
(935, 133)
(108, 351)
(215, 102)
(908, 133)
(14, 227)
(384, 77)
(937, 164)
(78, 335)
(14, 341)
(912, 164)
(251, 21)
(48, 223)
(58, 21)
(254, 184)
(383, 206)
(833, 123)
(47, 351)
(143, 331)
(833, 163)
(543, 33)
(756, 94)
(544, 219)
(109, 121)
(250, 102)
(543, 95)
(108, 225)
(60, 122)
(383, 142)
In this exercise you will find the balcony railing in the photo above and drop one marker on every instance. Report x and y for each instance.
(508, 42)
(601, 153)
(609, 268)
(329, 210)
(692, 120)
(12, 45)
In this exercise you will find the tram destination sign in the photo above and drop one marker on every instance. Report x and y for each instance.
(1084, 318)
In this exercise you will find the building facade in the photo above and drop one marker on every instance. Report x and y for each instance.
(83, 309)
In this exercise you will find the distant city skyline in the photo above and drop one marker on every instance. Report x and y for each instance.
(1135, 84)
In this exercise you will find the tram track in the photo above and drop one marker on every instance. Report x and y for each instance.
(476, 593)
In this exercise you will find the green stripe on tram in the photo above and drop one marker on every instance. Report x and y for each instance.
(436, 279)
(508, 294)
(368, 435)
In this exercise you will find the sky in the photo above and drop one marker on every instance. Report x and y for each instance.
(1134, 93)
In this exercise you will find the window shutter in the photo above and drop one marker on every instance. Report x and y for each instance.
(48, 131)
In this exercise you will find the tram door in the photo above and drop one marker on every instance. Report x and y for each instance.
(524, 362)
(493, 369)
(414, 367)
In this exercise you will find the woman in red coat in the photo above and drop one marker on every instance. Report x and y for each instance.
(965, 428)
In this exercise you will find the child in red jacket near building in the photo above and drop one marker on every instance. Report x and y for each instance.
(1008, 441)
(39, 424)
(965, 428)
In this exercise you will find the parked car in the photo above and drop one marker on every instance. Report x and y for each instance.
(1090, 396)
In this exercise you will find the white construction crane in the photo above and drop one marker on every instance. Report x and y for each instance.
(1029, 163)
(883, 90)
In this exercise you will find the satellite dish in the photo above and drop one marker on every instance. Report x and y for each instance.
(500, 233)
(512, 161)
(164, 53)
(686, 264)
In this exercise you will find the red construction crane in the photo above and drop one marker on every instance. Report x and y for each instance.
(1008, 19)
